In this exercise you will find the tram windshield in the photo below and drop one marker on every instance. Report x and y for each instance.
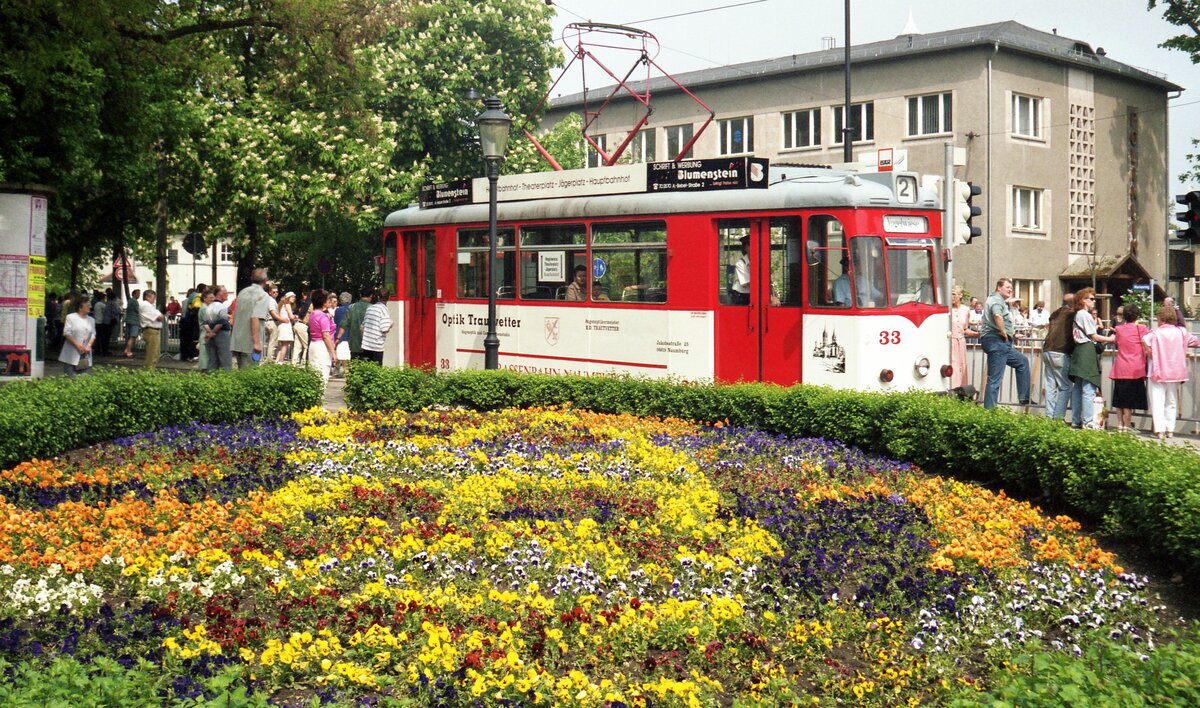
(892, 272)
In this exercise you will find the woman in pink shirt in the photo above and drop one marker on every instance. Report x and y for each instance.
(1167, 348)
(322, 351)
(1129, 368)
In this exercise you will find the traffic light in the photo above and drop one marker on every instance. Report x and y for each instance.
(1190, 217)
(964, 212)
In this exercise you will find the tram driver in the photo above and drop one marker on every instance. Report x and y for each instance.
(869, 294)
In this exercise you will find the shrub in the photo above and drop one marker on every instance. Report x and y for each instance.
(46, 417)
(1106, 674)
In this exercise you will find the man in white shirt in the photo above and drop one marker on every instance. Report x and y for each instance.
(376, 323)
(739, 284)
(151, 321)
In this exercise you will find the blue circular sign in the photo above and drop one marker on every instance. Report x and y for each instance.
(599, 268)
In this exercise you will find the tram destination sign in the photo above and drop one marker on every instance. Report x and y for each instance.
(707, 175)
(445, 194)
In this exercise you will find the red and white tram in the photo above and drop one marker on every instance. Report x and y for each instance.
(843, 271)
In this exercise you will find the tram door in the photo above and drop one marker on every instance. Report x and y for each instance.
(758, 322)
(419, 296)
(780, 275)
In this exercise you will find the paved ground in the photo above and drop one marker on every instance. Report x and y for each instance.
(335, 392)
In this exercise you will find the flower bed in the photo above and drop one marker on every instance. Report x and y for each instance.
(542, 557)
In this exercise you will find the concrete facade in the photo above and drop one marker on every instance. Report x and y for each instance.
(1046, 121)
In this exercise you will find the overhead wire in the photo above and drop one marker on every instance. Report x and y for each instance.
(796, 85)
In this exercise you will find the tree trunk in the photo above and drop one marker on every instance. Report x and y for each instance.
(160, 235)
(245, 266)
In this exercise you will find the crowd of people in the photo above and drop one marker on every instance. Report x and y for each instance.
(1148, 366)
(318, 329)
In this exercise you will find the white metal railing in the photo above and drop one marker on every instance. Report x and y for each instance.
(977, 376)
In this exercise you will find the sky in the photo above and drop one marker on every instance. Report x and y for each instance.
(700, 34)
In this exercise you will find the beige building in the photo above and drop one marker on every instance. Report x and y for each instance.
(1068, 145)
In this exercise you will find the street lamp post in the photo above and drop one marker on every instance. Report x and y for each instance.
(493, 125)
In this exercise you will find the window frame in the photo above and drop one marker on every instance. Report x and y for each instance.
(592, 158)
(915, 121)
(637, 146)
(866, 111)
(659, 248)
(790, 127)
(1038, 204)
(532, 249)
(459, 249)
(681, 134)
(1037, 105)
(725, 136)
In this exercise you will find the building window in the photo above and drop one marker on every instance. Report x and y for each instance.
(862, 122)
(595, 159)
(1026, 116)
(1031, 292)
(1027, 209)
(1195, 287)
(227, 253)
(930, 115)
(472, 263)
(802, 129)
(737, 136)
(631, 260)
(641, 148)
(677, 137)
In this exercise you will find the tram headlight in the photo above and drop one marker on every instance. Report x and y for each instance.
(947, 371)
(922, 367)
(886, 376)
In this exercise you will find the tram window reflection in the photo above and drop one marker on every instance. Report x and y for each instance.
(867, 267)
(632, 261)
(787, 253)
(909, 275)
(828, 263)
(472, 263)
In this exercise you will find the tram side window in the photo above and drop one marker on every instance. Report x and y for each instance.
(472, 263)
(548, 257)
(909, 275)
(787, 270)
(631, 260)
(828, 263)
(730, 234)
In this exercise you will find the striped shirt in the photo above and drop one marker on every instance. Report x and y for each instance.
(376, 322)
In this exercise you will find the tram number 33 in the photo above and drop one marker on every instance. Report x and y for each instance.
(892, 337)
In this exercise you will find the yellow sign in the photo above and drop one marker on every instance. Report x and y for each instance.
(37, 286)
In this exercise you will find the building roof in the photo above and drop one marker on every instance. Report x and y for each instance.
(1009, 35)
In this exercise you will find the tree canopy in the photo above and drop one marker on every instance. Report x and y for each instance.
(252, 119)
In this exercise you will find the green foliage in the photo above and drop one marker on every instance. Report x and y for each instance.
(1186, 15)
(1106, 674)
(564, 141)
(1142, 300)
(1135, 489)
(50, 416)
(63, 682)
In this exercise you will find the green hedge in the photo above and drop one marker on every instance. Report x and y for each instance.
(46, 417)
(1131, 488)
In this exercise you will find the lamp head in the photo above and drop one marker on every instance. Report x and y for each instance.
(494, 125)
